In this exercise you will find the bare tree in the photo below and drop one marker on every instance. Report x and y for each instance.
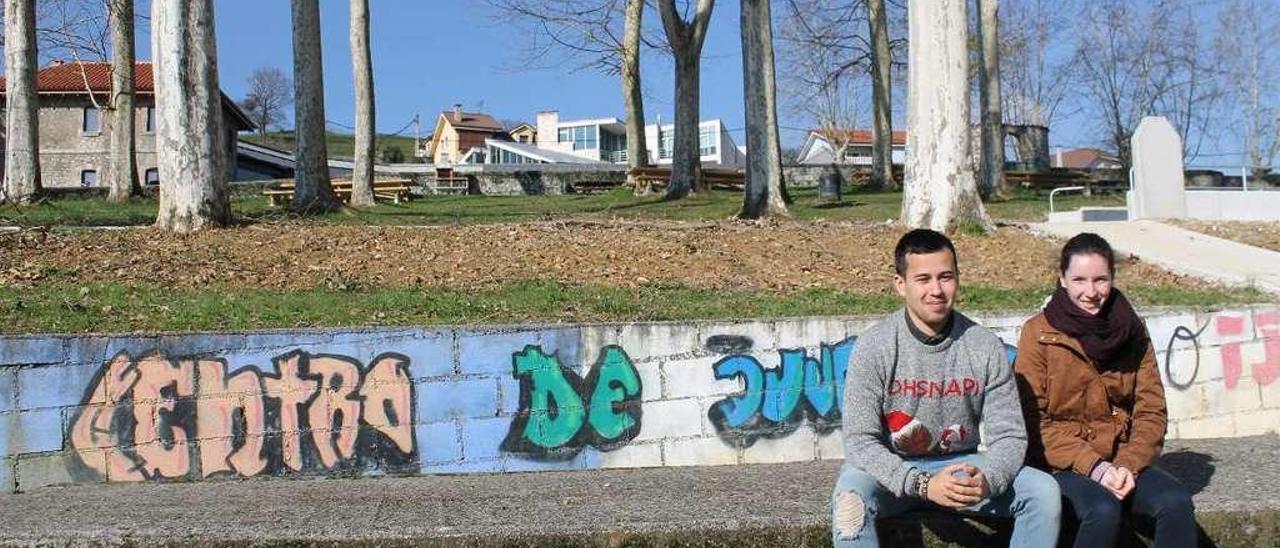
(1037, 67)
(362, 66)
(190, 141)
(22, 122)
(1248, 39)
(1143, 60)
(602, 35)
(939, 191)
(633, 93)
(825, 61)
(122, 171)
(763, 194)
(312, 192)
(991, 168)
(881, 97)
(1036, 64)
(685, 34)
(270, 93)
(75, 30)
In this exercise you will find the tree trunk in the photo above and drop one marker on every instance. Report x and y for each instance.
(22, 122)
(881, 93)
(991, 175)
(122, 170)
(632, 94)
(686, 40)
(686, 159)
(1032, 144)
(763, 196)
(362, 65)
(311, 190)
(190, 142)
(940, 192)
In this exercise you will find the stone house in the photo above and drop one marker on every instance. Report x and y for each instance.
(75, 134)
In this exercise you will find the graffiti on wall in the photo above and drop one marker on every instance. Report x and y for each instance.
(1182, 373)
(155, 417)
(561, 412)
(775, 401)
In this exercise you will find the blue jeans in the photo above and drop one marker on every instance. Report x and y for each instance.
(1155, 494)
(1033, 501)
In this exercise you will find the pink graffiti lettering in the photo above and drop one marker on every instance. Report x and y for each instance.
(1232, 365)
(158, 417)
(1268, 370)
(220, 398)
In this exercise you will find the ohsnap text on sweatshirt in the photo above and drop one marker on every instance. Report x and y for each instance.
(928, 388)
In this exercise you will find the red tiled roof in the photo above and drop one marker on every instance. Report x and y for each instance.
(472, 120)
(71, 77)
(1085, 158)
(862, 136)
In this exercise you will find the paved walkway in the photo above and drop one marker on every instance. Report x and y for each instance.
(757, 505)
(1182, 251)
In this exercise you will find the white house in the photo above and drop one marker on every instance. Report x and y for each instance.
(819, 147)
(603, 140)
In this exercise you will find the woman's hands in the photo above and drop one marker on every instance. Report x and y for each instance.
(1119, 480)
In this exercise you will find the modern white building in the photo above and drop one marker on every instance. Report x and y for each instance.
(604, 140)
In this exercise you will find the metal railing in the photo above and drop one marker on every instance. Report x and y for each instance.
(1062, 189)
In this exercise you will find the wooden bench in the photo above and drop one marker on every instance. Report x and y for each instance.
(1054, 178)
(395, 190)
(715, 178)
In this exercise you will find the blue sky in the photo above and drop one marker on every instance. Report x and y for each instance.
(431, 54)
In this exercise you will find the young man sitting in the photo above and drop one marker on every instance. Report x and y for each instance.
(920, 384)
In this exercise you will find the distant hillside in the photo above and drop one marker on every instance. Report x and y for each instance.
(340, 145)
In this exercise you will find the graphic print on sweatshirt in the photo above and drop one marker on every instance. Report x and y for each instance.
(912, 437)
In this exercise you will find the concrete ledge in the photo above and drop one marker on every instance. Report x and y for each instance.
(745, 505)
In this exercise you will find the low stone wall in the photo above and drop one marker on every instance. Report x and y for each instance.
(538, 179)
(79, 408)
(1233, 205)
(806, 176)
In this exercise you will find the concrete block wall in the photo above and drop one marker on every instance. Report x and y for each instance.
(507, 399)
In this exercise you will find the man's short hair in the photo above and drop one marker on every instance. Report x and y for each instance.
(921, 241)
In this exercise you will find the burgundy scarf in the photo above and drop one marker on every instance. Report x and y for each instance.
(1105, 335)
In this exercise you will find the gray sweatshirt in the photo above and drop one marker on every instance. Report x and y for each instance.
(907, 399)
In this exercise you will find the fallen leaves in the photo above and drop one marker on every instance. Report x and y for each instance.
(778, 256)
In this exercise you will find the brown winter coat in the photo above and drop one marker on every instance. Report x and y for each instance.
(1077, 415)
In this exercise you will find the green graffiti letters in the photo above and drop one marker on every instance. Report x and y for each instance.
(554, 419)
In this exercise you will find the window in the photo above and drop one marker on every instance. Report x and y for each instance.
(583, 137)
(92, 121)
(666, 139)
(88, 178)
(150, 125)
(151, 176)
(707, 141)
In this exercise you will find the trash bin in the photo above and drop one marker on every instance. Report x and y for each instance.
(829, 186)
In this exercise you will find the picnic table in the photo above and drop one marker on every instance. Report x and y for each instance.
(716, 178)
(395, 190)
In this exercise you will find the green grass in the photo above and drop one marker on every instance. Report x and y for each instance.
(339, 145)
(113, 307)
(99, 212)
(859, 205)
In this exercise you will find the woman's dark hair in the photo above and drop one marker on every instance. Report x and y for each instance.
(1087, 243)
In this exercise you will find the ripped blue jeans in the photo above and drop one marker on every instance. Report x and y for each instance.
(1033, 501)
